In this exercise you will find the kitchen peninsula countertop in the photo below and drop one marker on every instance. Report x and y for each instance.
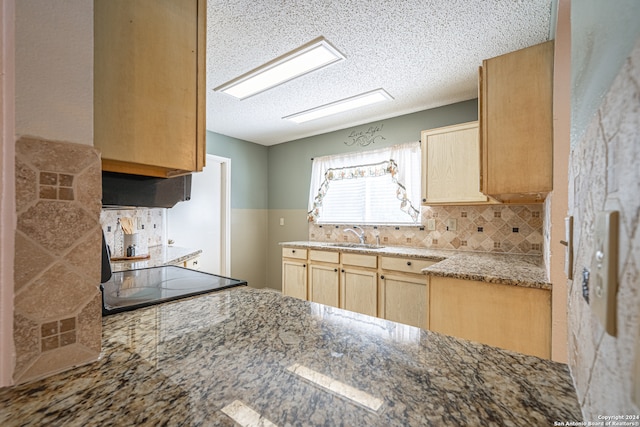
(292, 362)
(159, 255)
(508, 269)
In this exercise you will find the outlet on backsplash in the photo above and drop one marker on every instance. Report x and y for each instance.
(492, 228)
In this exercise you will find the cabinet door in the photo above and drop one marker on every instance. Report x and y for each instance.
(294, 279)
(516, 128)
(359, 291)
(149, 85)
(404, 299)
(510, 317)
(451, 165)
(324, 284)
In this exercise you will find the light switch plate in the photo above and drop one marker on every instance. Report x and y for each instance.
(604, 270)
(431, 224)
(568, 252)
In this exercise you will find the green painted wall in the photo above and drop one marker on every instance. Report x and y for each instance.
(249, 173)
(290, 162)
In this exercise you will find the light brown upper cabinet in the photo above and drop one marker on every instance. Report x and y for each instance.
(516, 128)
(149, 85)
(451, 165)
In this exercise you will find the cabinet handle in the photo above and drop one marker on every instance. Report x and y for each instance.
(424, 200)
(382, 277)
(293, 251)
(335, 269)
(195, 262)
(304, 265)
(342, 270)
(408, 262)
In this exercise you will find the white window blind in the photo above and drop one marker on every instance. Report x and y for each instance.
(372, 187)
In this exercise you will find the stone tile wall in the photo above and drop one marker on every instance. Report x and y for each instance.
(486, 228)
(149, 223)
(604, 175)
(57, 307)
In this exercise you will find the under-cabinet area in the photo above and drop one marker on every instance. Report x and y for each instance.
(433, 293)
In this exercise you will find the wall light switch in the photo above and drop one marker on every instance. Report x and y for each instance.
(431, 224)
(568, 242)
(604, 270)
(281, 221)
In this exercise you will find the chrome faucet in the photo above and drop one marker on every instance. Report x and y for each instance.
(360, 235)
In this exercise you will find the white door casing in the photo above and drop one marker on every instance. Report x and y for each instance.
(204, 221)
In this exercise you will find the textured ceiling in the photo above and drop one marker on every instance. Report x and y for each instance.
(425, 53)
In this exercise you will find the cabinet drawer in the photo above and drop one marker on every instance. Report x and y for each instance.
(360, 260)
(405, 265)
(324, 256)
(294, 253)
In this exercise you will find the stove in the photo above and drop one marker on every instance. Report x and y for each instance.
(133, 289)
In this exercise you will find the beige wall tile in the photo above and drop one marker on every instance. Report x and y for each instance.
(30, 260)
(496, 235)
(26, 338)
(57, 258)
(604, 175)
(58, 292)
(56, 225)
(89, 324)
(249, 235)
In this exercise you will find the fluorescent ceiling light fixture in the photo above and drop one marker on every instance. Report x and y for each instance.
(343, 105)
(316, 54)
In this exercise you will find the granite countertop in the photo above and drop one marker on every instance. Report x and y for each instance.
(159, 255)
(246, 353)
(508, 269)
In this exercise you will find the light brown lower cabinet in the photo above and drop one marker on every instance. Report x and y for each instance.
(294, 278)
(294, 272)
(324, 285)
(359, 290)
(404, 299)
(510, 317)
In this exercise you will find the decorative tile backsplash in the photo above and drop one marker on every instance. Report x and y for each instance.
(486, 228)
(149, 224)
(57, 308)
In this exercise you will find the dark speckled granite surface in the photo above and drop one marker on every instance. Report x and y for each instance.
(252, 353)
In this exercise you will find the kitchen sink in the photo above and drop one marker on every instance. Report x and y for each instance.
(355, 245)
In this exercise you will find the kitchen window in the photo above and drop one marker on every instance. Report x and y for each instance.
(371, 187)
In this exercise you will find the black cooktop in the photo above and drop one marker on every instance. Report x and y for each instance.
(133, 289)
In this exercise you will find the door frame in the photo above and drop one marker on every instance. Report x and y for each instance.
(7, 188)
(225, 212)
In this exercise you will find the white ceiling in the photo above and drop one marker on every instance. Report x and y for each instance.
(425, 53)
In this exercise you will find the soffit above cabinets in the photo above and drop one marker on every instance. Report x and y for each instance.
(424, 53)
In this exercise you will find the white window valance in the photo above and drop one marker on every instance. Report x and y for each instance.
(400, 164)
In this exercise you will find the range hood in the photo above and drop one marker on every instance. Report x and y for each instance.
(124, 190)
